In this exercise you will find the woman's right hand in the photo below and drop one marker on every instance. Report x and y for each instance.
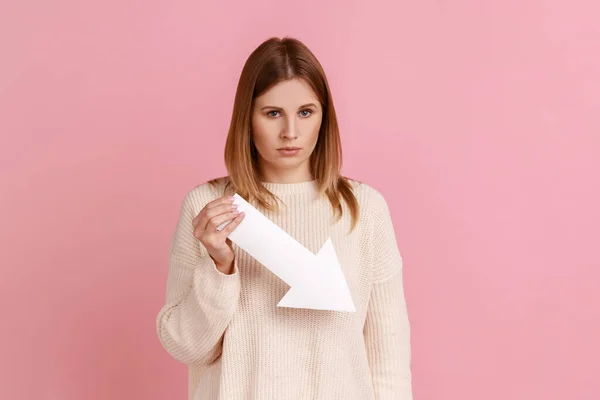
(216, 242)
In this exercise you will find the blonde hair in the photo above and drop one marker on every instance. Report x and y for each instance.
(276, 60)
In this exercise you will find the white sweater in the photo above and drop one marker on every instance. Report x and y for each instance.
(240, 346)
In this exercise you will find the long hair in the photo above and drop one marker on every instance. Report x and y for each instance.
(274, 61)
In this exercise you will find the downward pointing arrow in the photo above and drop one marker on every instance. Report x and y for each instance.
(316, 281)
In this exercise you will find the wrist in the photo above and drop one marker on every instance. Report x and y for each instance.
(225, 268)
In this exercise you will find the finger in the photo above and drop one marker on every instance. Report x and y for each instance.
(233, 224)
(221, 218)
(217, 207)
(220, 201)
(200, 221)
(219, 210)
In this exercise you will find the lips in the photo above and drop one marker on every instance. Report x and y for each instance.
(289, 151)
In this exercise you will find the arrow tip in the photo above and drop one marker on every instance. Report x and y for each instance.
(295, 298)
(325, 287)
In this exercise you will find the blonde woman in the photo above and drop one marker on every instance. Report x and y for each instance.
(220, 317)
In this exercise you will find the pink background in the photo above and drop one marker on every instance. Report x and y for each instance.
(479, 122)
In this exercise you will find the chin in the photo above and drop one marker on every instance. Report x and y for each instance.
(287, 163)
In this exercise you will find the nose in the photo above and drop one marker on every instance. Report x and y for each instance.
(289, 131)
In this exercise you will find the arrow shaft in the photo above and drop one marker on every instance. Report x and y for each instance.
(269, 244)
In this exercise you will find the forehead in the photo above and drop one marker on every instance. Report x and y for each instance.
(290, 93)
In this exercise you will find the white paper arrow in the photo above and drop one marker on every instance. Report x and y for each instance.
(316, 281)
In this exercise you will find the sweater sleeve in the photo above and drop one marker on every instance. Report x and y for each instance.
(200, 300)
(387, 329)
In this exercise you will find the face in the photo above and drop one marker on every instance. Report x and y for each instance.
(285, 128)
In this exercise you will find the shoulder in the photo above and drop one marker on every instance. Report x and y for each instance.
(371, 200)
(203, 193)
(378, 233)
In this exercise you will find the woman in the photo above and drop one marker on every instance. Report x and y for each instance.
(283, 155)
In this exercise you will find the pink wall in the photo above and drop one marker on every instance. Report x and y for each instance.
(479, 121)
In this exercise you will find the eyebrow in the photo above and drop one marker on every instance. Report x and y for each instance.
(302, 106)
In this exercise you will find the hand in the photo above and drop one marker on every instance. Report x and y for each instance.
(205, 230)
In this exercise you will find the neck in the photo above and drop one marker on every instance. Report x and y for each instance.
(287, 176)
(283, 189)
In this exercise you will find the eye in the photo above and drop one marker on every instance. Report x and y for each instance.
(306, 115)
(270, 113)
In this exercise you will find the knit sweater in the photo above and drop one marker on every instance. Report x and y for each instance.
(239, 345)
